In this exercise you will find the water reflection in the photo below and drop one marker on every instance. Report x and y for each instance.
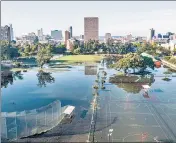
(6, 80)
(133, 87)
(44, 78)
(18, 75)
(130, 87)
(90, 70)
(109, 60)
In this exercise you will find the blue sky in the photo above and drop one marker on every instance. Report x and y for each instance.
(116, 17)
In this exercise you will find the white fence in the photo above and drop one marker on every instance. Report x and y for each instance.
(26, 123)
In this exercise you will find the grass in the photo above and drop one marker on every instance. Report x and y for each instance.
(18, 69)
(79, 58)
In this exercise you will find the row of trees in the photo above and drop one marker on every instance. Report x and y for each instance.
(93, 46)
(31, 50)
(11, 50)
(152, 49)
(120, 48)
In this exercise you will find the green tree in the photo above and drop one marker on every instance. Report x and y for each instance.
(8, 51)
(43, 56)
(77, 51)
(34, 49)
(36, 40)
(134, 61)
(4, 50)
(27, 50)
(124, 64)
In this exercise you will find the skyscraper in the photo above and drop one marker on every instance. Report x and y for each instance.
(107, 37)
(81, 36)
(6, 33)
(91, 28)
(56, 34)
(152, 34)
(67, 35)
(11, 32)
(71, 31)
(40, 34)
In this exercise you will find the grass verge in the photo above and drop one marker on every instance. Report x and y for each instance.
(79, 58)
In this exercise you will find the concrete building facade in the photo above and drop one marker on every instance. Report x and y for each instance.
(11, 32)
(71, 31)
(6, 33)
(91, 28)
(107, 37)
(81, 36)
(40, 34)
(151, 34)
(67, 36)
(56, 34)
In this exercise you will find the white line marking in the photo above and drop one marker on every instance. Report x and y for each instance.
(157, 121)
(131, 113)
(166, 114)
(137, 125)
(168, 117)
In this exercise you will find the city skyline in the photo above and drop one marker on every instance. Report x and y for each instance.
(115, 17)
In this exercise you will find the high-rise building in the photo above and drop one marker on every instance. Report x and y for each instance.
(71, 31)
(81, 36)
(159, 36)
(67, 35)
(6, 33)
(169, 33)
(91, 28)
(107, 38)
(129, 37)
(172, 37)
(11, 32)
(56, 34)
(40, 34)
(152, 34)
(165, 36)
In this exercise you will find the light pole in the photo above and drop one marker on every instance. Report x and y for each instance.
(110, 134)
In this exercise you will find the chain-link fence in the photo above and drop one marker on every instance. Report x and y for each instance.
(26, 123)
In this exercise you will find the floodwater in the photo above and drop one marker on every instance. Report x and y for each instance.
(124, 111)
(28, 92)
(126, 114)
